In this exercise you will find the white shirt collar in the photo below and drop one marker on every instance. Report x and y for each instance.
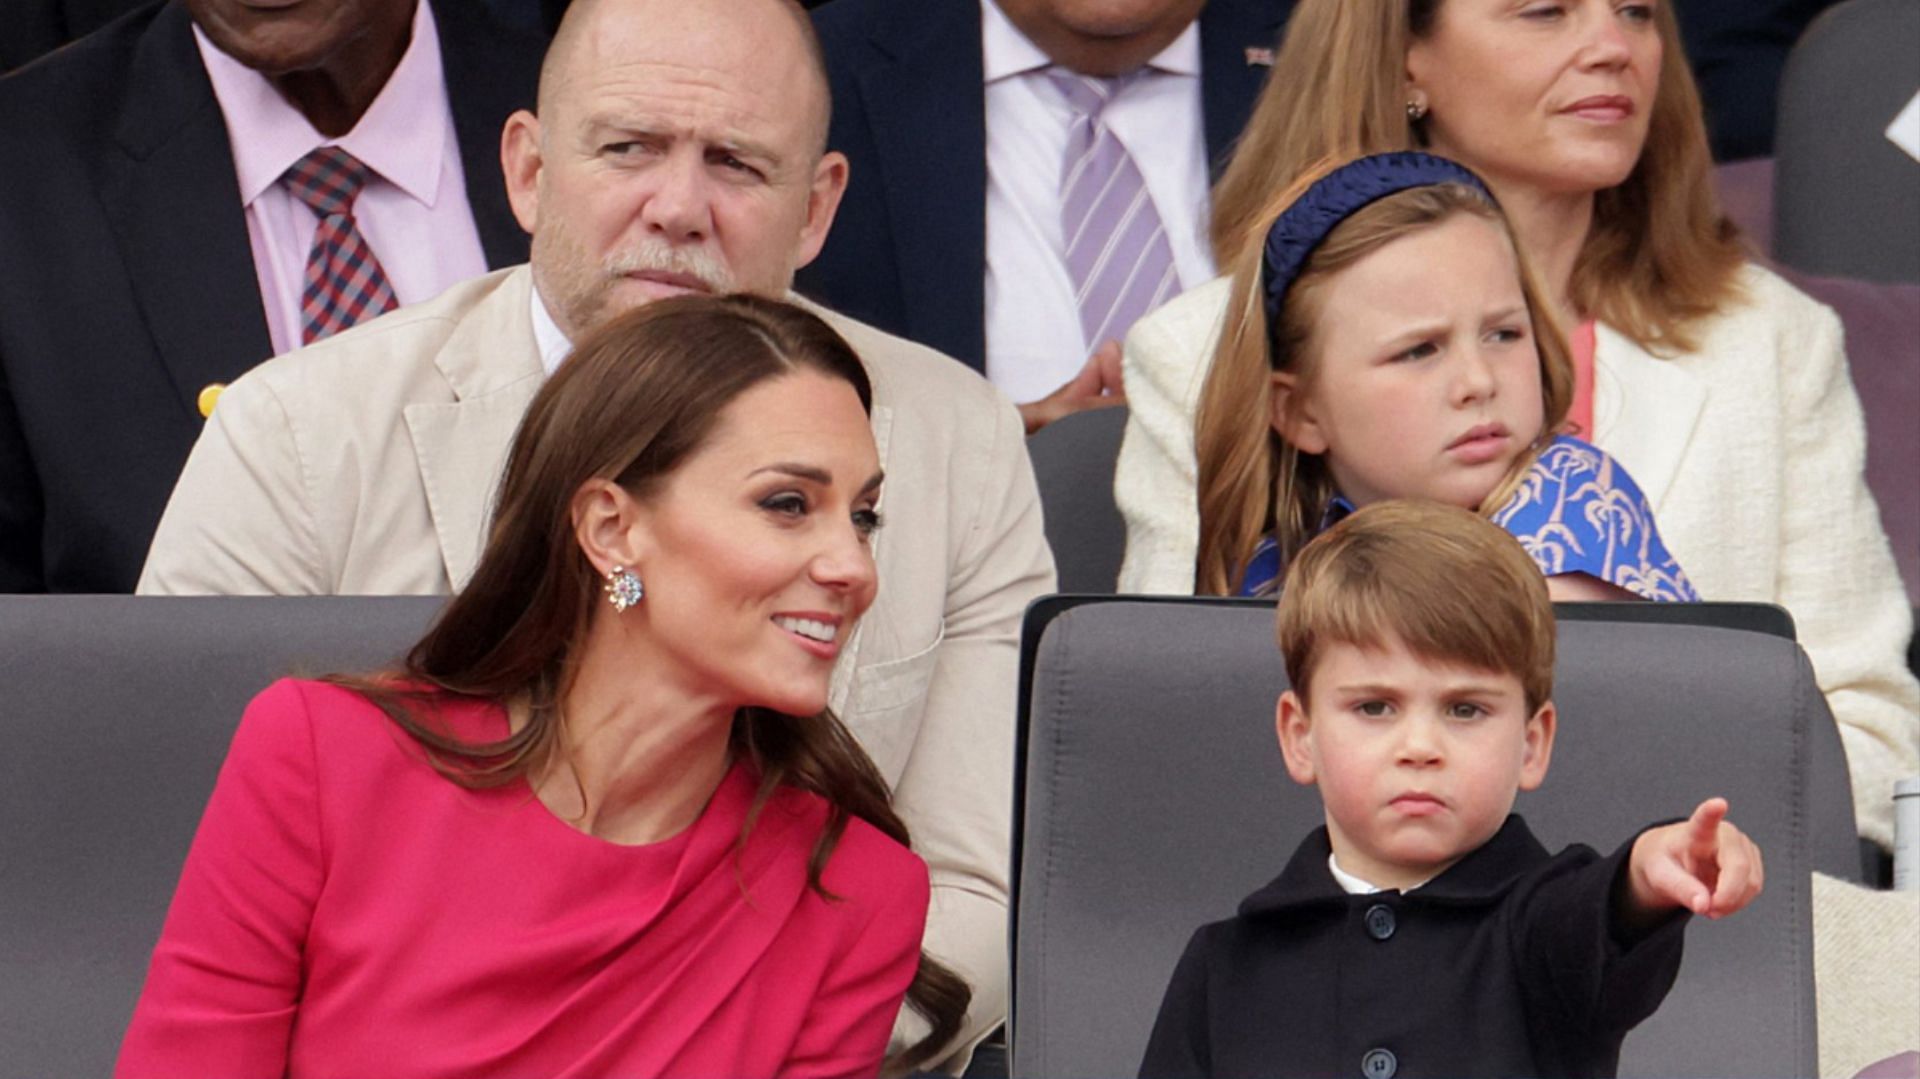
(1007, 52)
(1349, 883)
(1353, 885)
(547, 335)
(401, 136)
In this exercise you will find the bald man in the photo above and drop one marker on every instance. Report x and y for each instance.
(679, 147)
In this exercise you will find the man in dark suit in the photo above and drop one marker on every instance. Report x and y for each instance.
(931, 98)
(29, 29)
(135, 278)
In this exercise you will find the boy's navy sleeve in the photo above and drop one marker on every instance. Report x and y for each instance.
(1578, 971)
(1178, 1046)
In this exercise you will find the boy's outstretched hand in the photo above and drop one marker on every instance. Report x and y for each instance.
(1703, 864)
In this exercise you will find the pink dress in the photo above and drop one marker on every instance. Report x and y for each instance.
(347, 911)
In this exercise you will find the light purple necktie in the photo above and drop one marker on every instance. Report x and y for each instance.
(1116, 248)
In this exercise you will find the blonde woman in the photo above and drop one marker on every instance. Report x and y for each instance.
(1719, 387)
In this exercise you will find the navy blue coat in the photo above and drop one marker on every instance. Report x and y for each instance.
(1508, 964)
(908, 251)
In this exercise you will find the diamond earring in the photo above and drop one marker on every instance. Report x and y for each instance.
(624, 588)
(1416, 111)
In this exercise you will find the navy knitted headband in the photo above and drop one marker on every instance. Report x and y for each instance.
(1334, 198)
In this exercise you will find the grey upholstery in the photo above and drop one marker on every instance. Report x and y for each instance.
(1073, 461)
(1746, 195)
(1847, 200)
(118, 713)
(1155, 799)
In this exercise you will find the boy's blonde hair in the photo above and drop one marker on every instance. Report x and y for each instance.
(1449, 584)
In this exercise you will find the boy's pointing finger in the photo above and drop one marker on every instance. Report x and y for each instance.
(1703, 828)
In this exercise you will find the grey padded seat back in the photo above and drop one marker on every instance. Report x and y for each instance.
(1073, 461)
(1155, 800)
(117, 716)
(1846, 199)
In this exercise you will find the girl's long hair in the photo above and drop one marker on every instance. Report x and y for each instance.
(634, 400)
(1659, 256)
(1253, 483)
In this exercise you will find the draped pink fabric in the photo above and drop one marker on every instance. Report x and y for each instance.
(347, 911)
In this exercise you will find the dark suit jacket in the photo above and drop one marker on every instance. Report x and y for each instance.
(908, 252)
(1508, 963)
(127, 281)
(30, 29)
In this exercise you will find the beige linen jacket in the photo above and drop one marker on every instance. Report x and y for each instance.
(1749, 448)
(366, 464)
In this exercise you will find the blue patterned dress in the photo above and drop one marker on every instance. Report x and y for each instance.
(1575, 511)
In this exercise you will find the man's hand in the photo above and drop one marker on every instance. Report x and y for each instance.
(1096, 386)
(1703, 864)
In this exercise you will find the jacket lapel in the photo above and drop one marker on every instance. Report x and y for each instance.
(1644, 411)
(1231, 33)
(490, 71)
(935, 171)
(171, 195)
(493, 366)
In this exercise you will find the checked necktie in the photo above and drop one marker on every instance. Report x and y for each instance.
(1116, 248)
(345, 284)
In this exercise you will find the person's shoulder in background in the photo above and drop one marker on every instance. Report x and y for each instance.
(30, 29)
(1737, 49)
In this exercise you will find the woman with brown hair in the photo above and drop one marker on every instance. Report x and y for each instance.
(1718, 386)
(600, 821)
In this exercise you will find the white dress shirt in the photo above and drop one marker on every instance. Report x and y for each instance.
(547, 334)
(1034, 339)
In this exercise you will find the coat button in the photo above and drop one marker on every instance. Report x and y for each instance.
(1379, 1064)
(209, 396)
(1380, 922)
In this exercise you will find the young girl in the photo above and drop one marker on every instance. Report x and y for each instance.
(1391, 343)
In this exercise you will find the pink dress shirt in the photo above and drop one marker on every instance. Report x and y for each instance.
(414, 212)
(348, 911)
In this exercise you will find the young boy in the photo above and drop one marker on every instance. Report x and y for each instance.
(1424, 931)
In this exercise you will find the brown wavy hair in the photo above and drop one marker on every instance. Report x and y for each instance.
(635, 399)
(1659, 256)
(1252, 482)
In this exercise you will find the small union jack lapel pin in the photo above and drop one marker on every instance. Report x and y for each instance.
(1259, 57)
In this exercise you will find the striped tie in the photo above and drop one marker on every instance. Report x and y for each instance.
(345, 284)
(1116, 248)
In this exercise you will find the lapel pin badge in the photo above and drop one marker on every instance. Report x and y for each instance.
(1258, 56)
